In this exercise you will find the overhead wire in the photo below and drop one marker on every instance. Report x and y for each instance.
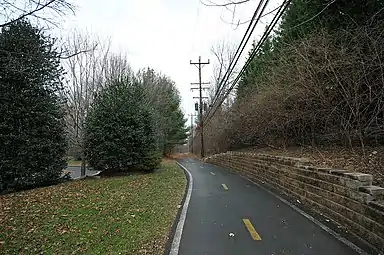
(251, 27)
(256, 49)
(241, 47)
(230, 68)
(253, 54)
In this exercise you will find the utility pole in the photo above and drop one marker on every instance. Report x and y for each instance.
(192, 115)
(199, 65)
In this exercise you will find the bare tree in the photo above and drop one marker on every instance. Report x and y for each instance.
(85, 77)
(224, 54)
(222, 78)
(116, 66)
(44, 10)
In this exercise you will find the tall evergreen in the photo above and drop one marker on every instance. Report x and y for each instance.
(120, 129)
(32, 140)
(305, 17)
(257, 67)
(164, 99)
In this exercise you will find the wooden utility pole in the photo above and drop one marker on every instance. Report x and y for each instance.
(199, 65)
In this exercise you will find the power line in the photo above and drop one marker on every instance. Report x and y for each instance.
(255, 51)
(234, 61)
(271, 26)
(227, 73)
(273, 23)
(218, 95)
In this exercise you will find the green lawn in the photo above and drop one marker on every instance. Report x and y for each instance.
(125, 215)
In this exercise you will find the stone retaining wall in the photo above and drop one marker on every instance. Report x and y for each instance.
(348, 198)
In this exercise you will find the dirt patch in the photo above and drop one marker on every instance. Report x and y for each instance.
(370, 161)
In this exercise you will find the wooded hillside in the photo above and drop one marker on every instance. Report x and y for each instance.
(318, 80)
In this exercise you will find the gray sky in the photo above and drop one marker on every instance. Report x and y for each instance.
(165, 34)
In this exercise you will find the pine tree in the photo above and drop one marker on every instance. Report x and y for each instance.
(257, 67)
(32, 140)
(305, 17)
(177, 132)
(163, 97)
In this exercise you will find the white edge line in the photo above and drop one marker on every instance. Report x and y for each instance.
(180, 225)
(309, 217)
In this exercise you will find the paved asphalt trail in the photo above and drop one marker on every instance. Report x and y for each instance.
(214, 212)
(75, 171)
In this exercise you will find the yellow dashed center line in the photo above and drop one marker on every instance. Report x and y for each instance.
(255, 236)
(224, 186)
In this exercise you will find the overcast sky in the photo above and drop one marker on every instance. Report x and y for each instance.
(164, 34)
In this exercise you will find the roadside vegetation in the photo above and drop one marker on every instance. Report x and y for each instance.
(78, 100)
(317, 81)
(127, 215)
(71, 101)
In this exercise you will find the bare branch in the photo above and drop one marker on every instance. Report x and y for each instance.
(210, 3)
(239, 23)
(13, 12)
(78, 52)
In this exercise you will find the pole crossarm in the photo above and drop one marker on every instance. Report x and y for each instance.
(199, 65)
